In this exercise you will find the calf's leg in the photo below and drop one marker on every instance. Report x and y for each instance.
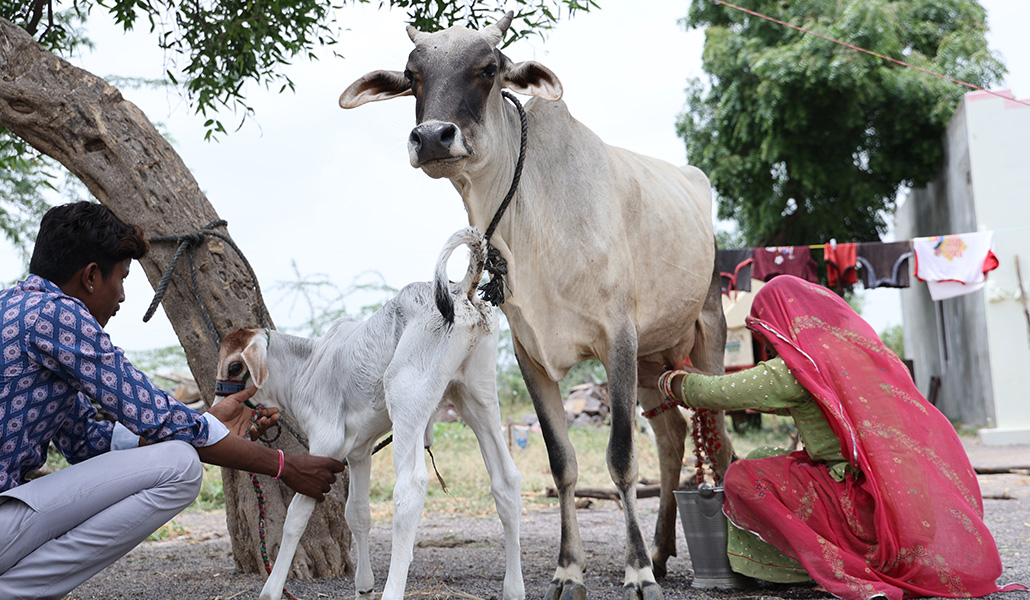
(359, 519)
(412, 396)
(479, 408)
(297, 516)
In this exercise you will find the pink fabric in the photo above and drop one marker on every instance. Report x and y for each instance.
(912, 523)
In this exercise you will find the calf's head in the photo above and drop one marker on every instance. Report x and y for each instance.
(242, 357)
(456, 76)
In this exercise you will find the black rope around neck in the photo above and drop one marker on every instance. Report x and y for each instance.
(190, 241)
(493, 290)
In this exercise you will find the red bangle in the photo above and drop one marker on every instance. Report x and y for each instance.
(282, 463)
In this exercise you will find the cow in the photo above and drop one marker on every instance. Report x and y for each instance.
(609, 255)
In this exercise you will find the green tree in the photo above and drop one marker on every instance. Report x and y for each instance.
(806, 140)
(214, 50)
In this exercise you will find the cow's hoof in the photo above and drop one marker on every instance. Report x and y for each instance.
(365, 595)
(658, 566)
(565, 590)
(647, 590)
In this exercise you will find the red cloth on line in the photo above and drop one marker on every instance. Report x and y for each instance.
(911, 524)
(784, 260)
(842, 263)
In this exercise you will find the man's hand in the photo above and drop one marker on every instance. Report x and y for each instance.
(310, 475)
(238, 418)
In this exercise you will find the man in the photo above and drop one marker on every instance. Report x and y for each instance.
(127, 478)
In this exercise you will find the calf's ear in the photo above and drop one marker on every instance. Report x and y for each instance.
(375, 86)
(533, 79)
(254, 355)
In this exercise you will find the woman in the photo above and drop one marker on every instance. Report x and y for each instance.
(882, 501)
(55, 359)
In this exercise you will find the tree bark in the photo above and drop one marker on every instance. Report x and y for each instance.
(107, 142)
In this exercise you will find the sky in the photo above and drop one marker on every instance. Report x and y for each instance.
(309, 186)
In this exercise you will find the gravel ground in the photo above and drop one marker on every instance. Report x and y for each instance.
(461, 557)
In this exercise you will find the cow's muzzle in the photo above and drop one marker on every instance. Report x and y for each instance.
(435, 141)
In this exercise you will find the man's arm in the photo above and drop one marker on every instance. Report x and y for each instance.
(304, 473)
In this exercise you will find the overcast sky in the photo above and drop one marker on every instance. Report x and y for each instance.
(332, 190)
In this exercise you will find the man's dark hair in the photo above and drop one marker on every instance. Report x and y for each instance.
(73, 235)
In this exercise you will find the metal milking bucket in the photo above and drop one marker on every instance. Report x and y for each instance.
(705, 529)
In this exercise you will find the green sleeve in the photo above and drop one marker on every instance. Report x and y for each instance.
(768, 386)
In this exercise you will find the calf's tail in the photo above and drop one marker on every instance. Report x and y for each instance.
(471, 237)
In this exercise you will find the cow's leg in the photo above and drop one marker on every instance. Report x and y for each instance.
(567, 583)
(670, 430)
(297, 516)
(670, 427)
(621, 366)
(359, 519)
(479, 408)
(708, 355)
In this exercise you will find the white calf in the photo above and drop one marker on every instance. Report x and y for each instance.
(350, 387)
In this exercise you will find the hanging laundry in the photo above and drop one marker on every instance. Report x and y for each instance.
(735, 268)
(784, 260)
(953, 265)
(841, 264)
(884, 264)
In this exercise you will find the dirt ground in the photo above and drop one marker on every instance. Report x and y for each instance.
(462, 557)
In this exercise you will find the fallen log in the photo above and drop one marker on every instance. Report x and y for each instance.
(1022, 470)
(643, 491)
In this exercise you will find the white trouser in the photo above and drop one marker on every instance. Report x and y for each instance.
(61, 529)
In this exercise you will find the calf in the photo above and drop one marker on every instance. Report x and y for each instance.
(353, 385)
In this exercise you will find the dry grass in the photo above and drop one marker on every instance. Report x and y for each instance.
(460, 464)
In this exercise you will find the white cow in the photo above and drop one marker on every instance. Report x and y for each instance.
(610, 255)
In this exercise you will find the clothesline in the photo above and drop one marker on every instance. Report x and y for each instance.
(950, 265)
(1005, 230)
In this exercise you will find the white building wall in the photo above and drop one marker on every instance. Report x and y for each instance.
(999, 151)
(978, 344)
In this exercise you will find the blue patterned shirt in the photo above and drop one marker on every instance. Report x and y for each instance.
(55, 357)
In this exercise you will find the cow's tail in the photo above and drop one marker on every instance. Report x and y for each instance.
(471, 237)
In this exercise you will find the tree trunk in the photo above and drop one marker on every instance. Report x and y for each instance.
(107, 142)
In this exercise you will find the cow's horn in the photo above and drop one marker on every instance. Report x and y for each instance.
(498, 30)
(415, 34)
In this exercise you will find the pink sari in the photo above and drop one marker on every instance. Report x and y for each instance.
(912, 523)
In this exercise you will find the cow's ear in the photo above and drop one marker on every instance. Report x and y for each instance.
(533, 79)
(254, 355)
(375, 86)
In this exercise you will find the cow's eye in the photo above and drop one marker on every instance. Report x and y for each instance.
(409, 75)
(235, 369)
(490, 71)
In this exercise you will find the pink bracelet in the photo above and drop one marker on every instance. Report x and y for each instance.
(282, 463)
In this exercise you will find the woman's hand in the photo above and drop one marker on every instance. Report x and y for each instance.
(238, 418)
(648, 373)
